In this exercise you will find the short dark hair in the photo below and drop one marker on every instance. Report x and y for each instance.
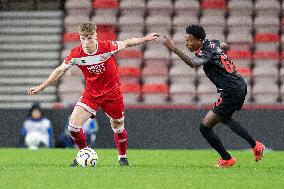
(197, 31)
(35, 106)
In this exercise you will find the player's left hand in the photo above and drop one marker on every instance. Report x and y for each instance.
(151, 37)
(169, 43)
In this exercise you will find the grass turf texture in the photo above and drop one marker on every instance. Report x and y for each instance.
(49, 168)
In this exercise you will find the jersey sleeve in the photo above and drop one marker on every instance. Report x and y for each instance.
(113, 46)
(205, 55)
(69, 61)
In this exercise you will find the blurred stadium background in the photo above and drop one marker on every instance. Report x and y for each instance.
(165, 100)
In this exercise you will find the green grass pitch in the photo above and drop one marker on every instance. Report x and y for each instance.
(49, 168)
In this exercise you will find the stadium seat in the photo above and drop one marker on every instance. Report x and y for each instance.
(240, 8)
(239, 40)
(158, 23)
(182, 93)
(271, 7)
(265, 87)
(240, 58)
(132, 4)
(214, 24)
(129, 74)
(125, 54)
(156, 62)
(73, 4)
(155, 93)
(266, 24)
(155, 75)
(207, 99)
(159, 7)
(131, 93)
(104, 20)
(240, 24)
(267, 42)
(213, 7)
(270, 98)
(181, 73)
(189, 8)
(153, 54)
(181, 21)
(266, 57)
(206, 86)
(130, 58)
(131, 24)
(105, 4)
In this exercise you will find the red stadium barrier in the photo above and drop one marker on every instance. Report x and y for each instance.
(244, 71)
(105, 4)
(155, 88)
(213, 4)
(235, 54)
(267, 37)
(130, 88)
(129, 71)
(129, 54)
(266, 55)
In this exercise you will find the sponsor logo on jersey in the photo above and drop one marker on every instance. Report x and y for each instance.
(96, 68)
(103, 57)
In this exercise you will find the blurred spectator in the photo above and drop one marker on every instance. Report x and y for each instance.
(90, 128)
(37, 129)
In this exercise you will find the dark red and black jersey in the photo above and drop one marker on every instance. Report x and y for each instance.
(220, 69)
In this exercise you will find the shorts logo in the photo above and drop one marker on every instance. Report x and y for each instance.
(83, 61)
(96, 69)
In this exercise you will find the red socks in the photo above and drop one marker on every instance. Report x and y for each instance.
(121, 141)
(79, 138)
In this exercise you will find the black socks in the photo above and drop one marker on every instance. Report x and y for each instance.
(239, 130)
(214, 141)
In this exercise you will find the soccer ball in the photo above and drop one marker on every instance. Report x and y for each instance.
(87, 157)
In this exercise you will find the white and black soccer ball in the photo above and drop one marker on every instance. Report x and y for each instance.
(87, 157)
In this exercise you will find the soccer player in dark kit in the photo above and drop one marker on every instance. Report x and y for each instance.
(222, 73)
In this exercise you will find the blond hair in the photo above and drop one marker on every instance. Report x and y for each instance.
(87, 29)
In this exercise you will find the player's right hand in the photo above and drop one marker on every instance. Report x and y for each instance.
(35, 90)
(151, 37)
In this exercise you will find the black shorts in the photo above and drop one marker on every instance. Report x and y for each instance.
(227, 104)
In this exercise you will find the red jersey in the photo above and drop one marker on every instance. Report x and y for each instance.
(99, 69)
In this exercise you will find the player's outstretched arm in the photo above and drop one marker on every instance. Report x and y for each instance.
(53, 77)
(137, 41)
(192, 62)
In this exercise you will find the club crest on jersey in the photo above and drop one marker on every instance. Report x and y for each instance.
(114, 43)
(212, 45)
(96, 69)
(103, 57)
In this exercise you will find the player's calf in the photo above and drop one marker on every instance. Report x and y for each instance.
(78, 136)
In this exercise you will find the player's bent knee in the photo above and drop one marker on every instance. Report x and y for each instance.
(73, 128)
(203, 129)
(117, 123)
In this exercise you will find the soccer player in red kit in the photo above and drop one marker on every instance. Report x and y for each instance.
(96, 60)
